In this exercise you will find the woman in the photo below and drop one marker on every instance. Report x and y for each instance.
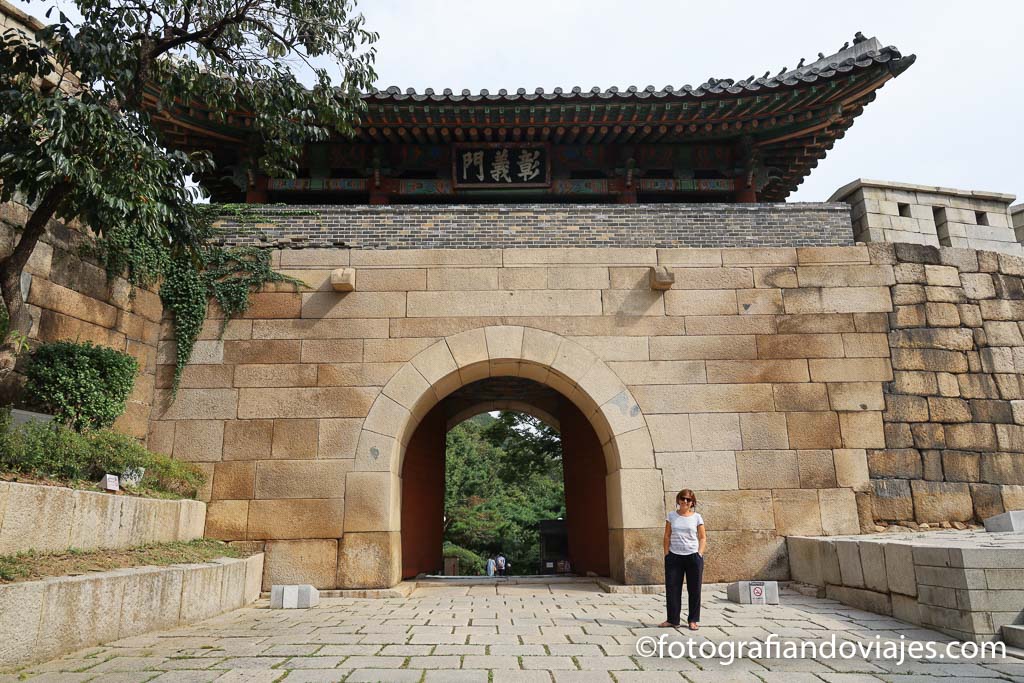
(684, 558)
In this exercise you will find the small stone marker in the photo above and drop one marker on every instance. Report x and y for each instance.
(294, 597)
(343, 279)
(753, 592)
(1008, 521)
(110, 482)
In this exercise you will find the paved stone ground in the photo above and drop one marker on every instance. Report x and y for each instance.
(519, 633)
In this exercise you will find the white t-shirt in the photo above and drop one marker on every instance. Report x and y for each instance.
(683, 540)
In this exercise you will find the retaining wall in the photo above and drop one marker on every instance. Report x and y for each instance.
(41, 620)
(965, 584)
(53, 518)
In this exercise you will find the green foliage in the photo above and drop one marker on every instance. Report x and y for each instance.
(54, 451)
(470, 564)
(82, 385)
(502, 477)
(87, 149)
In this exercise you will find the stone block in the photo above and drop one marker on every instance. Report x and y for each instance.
(853, 396)
(79, 612)
(301, 478)
(703, 347)
(735, 510)
(294, 439)
(700, 471)
(960, 466)
(715, 431)
(915, 383)
(21, 607)
(746, 555)
(372, 502)
(301, 596)
(688, 302)
(872, 560)
(927, 435)
(948, 410)
(783, 277)
(152, 600)
(817, 470)
(40, 513)
(837, 300)
(313, 562)
(768, 469)
(227, 519)
(305, 402)
(1013, 496)
(929, 359)
(719, 398)
(850, 370)
(196, 404)
(635, 499)
(233, 480)
(369, 560)
(899, 568)
(800, 397)
(390, 279)
(971, 436)
(296, 518)
(988, 500)
(797, 512)
(816, 324)
(805, 560)
(1007, 521)
(808, 430)
(764, 431)
(318, 305)
(800, 346)
(936, 501)
(759, 301)
(338, 438)
(838, 512)
(670, 432)
(903, 463)
(248, 439)
(659, 371)
(898, 435)
(851, 468)
(756, 371)
(257, 351)
(862, 429)
(741, 592)
(850, 567)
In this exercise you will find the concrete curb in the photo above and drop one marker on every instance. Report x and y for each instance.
(42, 620)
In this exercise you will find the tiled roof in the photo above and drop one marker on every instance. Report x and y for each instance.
(861, 55)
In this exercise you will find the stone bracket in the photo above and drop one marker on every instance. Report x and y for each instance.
(662, 278)
(343, 279)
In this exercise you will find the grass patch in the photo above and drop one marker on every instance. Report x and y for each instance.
(53, 453)
(31, 565)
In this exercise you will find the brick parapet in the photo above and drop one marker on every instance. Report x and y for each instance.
(540, 226)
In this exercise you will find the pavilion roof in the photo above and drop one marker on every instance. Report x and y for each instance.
(789, 120)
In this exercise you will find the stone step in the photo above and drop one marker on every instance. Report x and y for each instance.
(1013, 635)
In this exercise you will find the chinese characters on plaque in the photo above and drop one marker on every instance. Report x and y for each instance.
(501, 165)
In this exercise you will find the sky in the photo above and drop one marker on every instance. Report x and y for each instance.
(953, 119)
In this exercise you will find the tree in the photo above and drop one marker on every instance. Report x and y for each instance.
(77, 101)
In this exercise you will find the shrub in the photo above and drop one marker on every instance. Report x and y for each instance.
(82, 385)
(55, 451)
(470, 564)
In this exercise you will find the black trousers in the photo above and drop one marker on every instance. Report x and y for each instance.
(677, 568)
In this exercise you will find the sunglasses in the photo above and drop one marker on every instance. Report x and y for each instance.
(687, 500)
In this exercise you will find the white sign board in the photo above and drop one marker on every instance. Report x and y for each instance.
(110, 482)
(757, 596)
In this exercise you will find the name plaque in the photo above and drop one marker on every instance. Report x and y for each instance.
(501, 165)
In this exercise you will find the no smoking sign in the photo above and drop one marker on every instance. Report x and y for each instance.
(757, 596)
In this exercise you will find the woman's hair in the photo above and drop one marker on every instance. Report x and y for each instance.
(687, 493)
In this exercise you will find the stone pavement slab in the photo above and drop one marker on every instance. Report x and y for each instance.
(530, 633)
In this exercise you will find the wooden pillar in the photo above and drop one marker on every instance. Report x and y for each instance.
(257, 192)
(745, 192)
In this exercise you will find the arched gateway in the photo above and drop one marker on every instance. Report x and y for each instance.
(370, 553)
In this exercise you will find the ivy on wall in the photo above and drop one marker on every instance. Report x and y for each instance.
(189, 278)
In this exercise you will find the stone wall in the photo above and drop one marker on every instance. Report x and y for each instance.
(54, 519)
(756, 380)
(70, 297)
(954, 410)
(542, 225)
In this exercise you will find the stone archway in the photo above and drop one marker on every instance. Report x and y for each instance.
(370, 552)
